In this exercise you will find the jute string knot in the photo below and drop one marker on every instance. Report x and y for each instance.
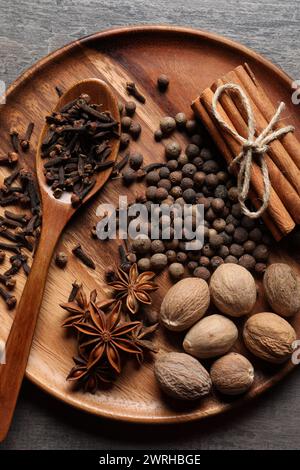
(250, 146)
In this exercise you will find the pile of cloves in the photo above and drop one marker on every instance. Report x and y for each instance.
(77, 147)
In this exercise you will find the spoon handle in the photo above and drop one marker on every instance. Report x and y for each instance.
(22, 330)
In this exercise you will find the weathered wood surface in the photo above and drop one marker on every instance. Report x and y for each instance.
(271, 421)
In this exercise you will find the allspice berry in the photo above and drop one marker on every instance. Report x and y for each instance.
(176, 270)
(232, 374)
(163, 82)
(135, 161)
(180, 119)
(172, 150)
(158, 261)
(144, 264)
(61, 259)
(141, 245)
(167, 125)
(130, 108)
(282, 289)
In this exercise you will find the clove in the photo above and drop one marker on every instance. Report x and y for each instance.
(132, 90)
(80, 254)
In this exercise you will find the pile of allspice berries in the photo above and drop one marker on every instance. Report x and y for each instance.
(195, 175)
(213, 338)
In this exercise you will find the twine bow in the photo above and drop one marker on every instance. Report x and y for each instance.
(250, 146)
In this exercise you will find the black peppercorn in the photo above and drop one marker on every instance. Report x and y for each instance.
(135, 161)
(210, 215)
(130, 108)
(222, 176)
(203, 200)
(230, 228)
(223, 251)
(233, 194)
(226, 238)
(230, 219)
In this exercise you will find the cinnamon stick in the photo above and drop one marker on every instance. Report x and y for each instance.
(263, 102)
(200, 110)
(276, 151)
(276, 209)
(284, 189)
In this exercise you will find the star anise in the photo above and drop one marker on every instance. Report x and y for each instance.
(138, 336)
(134, 287)
(90, 378)
(104, 337)
(79, 308)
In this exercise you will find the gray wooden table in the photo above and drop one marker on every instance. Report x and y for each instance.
(29, 30)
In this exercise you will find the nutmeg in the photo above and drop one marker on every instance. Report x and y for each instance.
(181, 376)
(233, 289)
(210, 337)
(184, 304)
(232, 374)
(269, 337)
(282, 289)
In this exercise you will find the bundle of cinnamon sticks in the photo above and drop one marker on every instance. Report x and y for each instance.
(282, 158)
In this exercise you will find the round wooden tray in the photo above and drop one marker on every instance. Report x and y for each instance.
(192, 60)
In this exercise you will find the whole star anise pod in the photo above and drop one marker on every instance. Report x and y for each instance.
(134, 287)
(104, 337)
(139, 334)
(79, 309)
(90, 378)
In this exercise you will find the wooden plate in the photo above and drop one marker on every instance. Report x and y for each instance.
(192, 60)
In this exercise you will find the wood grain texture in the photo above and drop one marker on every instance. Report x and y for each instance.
(56, 214)
(247, 439)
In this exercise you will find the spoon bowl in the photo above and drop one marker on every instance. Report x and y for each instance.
(56, 213)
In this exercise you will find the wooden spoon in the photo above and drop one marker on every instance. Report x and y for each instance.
(56, 213)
